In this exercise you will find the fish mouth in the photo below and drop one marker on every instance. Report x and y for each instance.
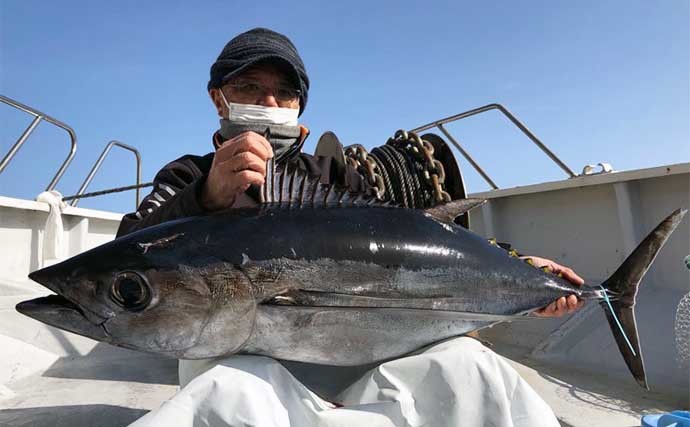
(58, 311)
(57, 279)
(46, 277)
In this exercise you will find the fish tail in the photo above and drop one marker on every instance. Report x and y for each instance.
(620, 291)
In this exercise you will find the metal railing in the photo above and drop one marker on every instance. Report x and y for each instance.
(75, 199)
(38, 117)
(439, 124)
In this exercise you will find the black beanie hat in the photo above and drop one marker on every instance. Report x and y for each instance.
(256, 45)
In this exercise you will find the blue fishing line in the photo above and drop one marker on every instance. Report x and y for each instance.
(608, 301)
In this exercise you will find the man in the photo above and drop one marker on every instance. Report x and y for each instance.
(258, 82)
(259, 87)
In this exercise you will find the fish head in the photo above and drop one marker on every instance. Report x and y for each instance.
(160, 301)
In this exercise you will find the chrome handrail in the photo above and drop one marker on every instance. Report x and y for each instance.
(439, 124)
(38, 116)
(97, 166)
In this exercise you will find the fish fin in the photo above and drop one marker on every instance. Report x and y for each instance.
(282, 179)
(311, 188)
(291, 197)
(447, 212)
(290, 186)
(333, 197)
(623, 285)
(268, 189)
(296, 200)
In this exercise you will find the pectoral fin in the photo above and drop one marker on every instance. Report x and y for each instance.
(447, 212)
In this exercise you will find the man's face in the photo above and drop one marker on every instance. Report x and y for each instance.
(262, 84)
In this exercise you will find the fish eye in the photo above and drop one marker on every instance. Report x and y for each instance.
(130, 290)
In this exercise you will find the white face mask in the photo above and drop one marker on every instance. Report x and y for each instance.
(261, 114)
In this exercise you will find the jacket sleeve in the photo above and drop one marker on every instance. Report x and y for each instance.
(175, 193)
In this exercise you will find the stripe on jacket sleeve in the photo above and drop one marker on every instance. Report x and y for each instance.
(168, 189)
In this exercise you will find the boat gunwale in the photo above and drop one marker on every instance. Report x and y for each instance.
(587, 180)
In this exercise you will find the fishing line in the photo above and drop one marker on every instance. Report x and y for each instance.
(613, 313)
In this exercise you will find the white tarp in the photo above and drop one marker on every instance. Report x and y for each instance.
(458, 382)
(53, 230)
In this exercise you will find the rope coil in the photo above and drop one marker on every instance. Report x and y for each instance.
(403, 170)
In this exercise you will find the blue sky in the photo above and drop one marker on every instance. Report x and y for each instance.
(595, 80)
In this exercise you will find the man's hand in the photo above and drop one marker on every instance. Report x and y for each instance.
(563, 305)
(238, 163)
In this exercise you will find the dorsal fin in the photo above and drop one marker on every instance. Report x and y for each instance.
(291, 186)
(294, 187)
(447, 212)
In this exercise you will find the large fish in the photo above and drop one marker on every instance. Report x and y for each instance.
(315, 274)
